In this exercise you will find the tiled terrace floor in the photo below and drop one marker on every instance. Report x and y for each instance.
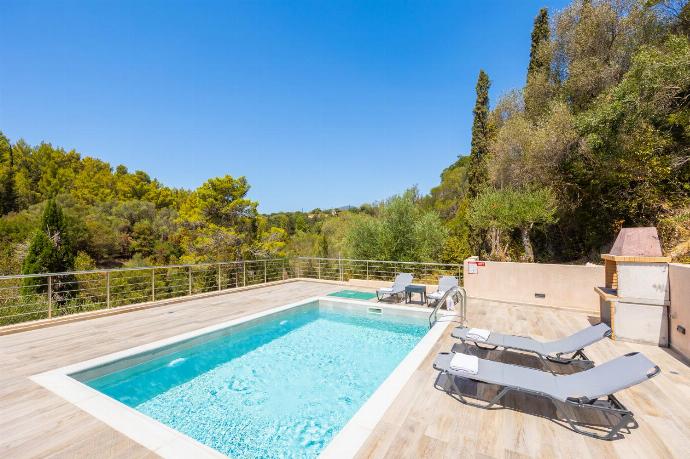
(422, 422)
(425, 422)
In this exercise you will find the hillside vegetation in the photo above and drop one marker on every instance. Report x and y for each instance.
(597, 139)
(600, 132)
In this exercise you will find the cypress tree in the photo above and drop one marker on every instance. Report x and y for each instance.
(540, 35)
(538, 90)
(50, 251)
(477, 174)
(8, 195)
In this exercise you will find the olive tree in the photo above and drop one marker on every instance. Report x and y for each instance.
(403, 232)
(502, 211)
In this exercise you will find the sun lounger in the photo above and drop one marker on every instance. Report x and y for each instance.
(591, 389)
(401, 281)
(445, 283)
(564, 350)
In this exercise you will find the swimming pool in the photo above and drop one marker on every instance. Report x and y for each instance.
(279, 384)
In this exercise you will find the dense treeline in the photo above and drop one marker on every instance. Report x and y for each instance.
(114, 217)
(598, 138)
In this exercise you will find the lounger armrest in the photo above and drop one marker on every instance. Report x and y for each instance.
(654, 372)
(607, 332)
(436, 359)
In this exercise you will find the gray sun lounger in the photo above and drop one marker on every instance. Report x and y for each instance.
(401, 281)
(564, 350)
(445, 283)
(591, 389)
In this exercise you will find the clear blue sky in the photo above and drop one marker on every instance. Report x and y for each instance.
(319, 103)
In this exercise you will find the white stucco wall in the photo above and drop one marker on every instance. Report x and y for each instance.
(643, 281)
(569, 286)
(679, 280)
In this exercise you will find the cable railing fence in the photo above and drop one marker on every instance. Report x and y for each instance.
(344, 269)
(31, 297)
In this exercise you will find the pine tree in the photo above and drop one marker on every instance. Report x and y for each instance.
(477, 174)
(50, 251)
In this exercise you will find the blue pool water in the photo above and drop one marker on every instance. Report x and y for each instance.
(282, 387)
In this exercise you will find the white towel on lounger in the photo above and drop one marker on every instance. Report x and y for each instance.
(478, 334)
(386, 289)
(465, 363)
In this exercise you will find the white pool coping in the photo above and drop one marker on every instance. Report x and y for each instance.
(169, 443)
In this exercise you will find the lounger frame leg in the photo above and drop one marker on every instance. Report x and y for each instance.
(609, 406)
(480, 346)
(383, 296)
(578, 358)
(455, 392)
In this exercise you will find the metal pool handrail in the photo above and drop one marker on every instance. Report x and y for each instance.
(457, 292)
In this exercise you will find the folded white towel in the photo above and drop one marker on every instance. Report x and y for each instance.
(465, 363)
(386, 289)
(450, 304)
(478, 334)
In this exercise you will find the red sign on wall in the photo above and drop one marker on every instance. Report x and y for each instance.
(472, 266)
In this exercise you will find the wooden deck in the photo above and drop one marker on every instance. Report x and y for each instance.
(426, 422)
(422, 422)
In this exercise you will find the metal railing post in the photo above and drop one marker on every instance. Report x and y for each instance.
(318, 268)
(463, 311)
(244, 273)
(340, 268)
(218, 276)
(153, 284)
(107, 289)
(189, 274)
(50, 296)
(265, 263)
(283, 273)
(367, 270)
